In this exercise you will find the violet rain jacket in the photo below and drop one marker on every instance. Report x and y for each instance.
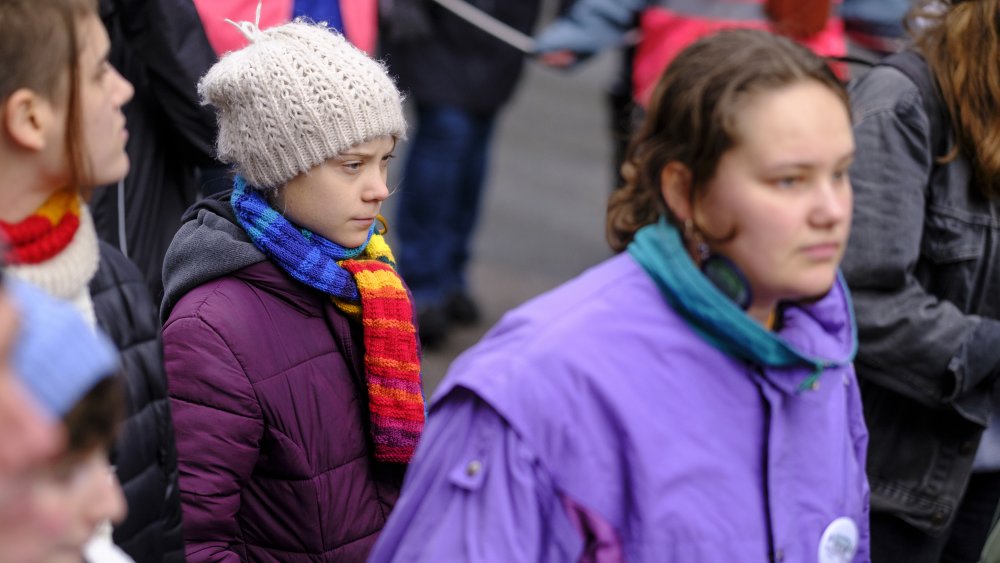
(592, 423)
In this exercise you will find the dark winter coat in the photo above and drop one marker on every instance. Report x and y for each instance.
(445, 60)
(161, 48)
(144, 456)
(923, 263)
(266, 381)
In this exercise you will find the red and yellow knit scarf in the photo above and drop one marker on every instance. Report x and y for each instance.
(45, 233)
(392, 359)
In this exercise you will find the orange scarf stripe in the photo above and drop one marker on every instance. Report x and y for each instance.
(45, 233)
(410, 370)
(58, 205)
(386, 295)
(388, 324)
(393, 393)
(373, 280)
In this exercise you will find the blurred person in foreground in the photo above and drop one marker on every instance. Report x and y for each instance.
(57, 506)
(62, 132)
(692, 398)
(26, 434)
(924, 266)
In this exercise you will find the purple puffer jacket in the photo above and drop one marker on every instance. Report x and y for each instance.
(271, 416)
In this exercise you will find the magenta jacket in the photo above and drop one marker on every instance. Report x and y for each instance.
(269, 407)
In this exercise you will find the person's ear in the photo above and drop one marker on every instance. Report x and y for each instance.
(26, 116)
(675, 187)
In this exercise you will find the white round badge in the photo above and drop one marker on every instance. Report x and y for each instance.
(839, 542)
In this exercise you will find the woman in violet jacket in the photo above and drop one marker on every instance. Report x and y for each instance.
(692, 398)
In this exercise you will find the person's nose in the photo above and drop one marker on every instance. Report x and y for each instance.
(108, 500)
(833, 202)
(123, 88)
(377, 188)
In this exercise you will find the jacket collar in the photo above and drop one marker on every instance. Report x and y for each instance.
(815, 336)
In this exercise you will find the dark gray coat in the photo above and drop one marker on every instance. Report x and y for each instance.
(923, 264)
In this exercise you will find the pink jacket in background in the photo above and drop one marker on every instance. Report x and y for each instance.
(360, 20)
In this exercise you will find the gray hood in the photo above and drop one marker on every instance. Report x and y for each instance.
(209, 244)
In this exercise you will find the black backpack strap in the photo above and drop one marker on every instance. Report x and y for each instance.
(913, 65)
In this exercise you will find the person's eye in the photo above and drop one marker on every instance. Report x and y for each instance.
(386, 159)
(789, 182)
(840, 176)
(352, 166)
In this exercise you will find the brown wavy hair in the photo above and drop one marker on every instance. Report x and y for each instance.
(961, 43)
(40, 51)
(693, 115)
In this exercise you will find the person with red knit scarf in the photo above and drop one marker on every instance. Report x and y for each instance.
(62, 133)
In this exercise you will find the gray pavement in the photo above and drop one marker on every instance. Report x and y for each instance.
(542, 220)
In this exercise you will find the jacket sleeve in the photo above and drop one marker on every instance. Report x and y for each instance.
(912, 343)
(475, 492)
(167, 38)
(591, 26)
(218, 427)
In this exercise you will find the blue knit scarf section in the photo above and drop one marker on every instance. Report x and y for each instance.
(304, 255)
(658, 248)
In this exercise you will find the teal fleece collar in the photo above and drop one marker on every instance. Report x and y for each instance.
(659, 250)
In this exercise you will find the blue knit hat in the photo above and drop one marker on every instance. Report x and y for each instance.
(57, 355)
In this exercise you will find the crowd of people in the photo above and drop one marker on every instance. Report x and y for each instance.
(210, 352)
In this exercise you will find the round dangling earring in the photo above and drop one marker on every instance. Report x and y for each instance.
(721, 271)
(700, 247)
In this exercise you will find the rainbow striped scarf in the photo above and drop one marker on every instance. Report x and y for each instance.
(364, 285)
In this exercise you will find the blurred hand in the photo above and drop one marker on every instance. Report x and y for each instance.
(558, 59)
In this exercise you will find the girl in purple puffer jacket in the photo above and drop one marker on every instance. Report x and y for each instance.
(289, 341)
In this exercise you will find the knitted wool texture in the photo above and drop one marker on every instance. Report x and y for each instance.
(56, 249)
(296, 96)
(44, 233)
(363, 284)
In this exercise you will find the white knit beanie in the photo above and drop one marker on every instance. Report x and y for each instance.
(297, 95)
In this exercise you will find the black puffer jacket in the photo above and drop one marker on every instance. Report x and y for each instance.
(161, 48)
(145, 455)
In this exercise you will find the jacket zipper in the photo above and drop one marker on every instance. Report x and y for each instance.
(765, 473)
